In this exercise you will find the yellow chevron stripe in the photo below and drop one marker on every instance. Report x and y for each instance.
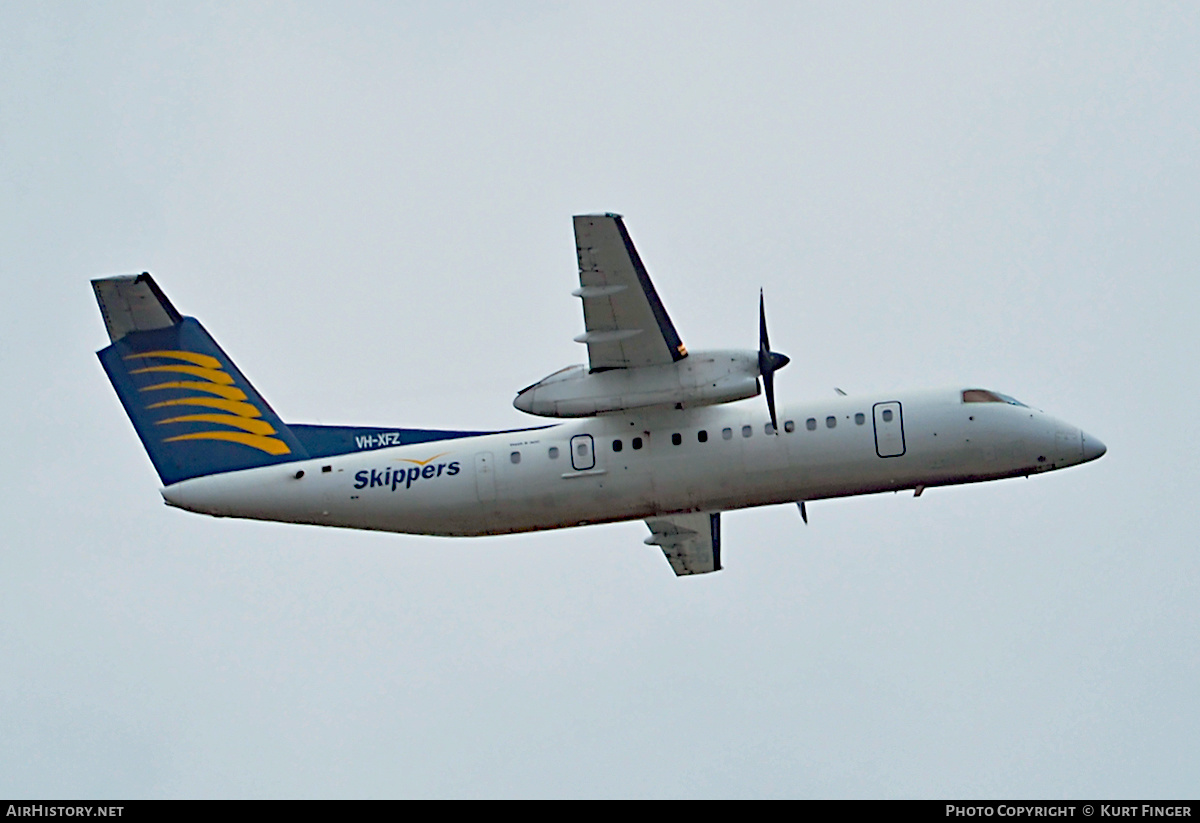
(231, 406)
(248, 424)
(422, 462)
(188, 356)
(266, 444)
(228, 392)
(211, 375)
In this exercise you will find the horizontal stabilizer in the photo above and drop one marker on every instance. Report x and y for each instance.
(133, 302)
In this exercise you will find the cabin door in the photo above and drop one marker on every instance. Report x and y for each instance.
(583, 452)
(889, 430)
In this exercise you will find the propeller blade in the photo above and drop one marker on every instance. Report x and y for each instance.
(769, 386)
(764, 345)
(768, 361)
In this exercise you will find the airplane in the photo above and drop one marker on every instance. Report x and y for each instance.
(645, 431)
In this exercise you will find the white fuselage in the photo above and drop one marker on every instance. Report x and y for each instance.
(706, 459)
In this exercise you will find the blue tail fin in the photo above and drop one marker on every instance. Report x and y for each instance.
(194, 411)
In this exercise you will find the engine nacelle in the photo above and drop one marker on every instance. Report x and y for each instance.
(700, 379)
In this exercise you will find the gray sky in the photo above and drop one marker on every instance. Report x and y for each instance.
(370, 207)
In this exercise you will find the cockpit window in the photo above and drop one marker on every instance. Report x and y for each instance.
(985, 396)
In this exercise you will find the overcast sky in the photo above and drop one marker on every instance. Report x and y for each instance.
(368, 204)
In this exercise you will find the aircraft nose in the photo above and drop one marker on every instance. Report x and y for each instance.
(1092, 447)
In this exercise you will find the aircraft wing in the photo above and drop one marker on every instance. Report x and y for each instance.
(691, 542)
(626, 323)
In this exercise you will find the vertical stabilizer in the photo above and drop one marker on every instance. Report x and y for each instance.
(195, 413)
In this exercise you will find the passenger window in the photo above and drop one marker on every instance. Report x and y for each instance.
(617, 445)
(789, 426)
(747, 431)
(887, 415)
(637, 443)
(830, 422)
(860, 418)
(515, 457)
(676, 439)
(554, 452)
(811, 424)
(769, 428)
(726, 434)
(702, 436)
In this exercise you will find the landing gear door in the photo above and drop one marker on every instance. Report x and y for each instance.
(583, 453)
(889, 430)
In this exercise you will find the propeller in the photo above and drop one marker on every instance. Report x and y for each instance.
(768, 361)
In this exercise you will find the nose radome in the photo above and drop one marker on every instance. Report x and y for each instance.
(1092, 447)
